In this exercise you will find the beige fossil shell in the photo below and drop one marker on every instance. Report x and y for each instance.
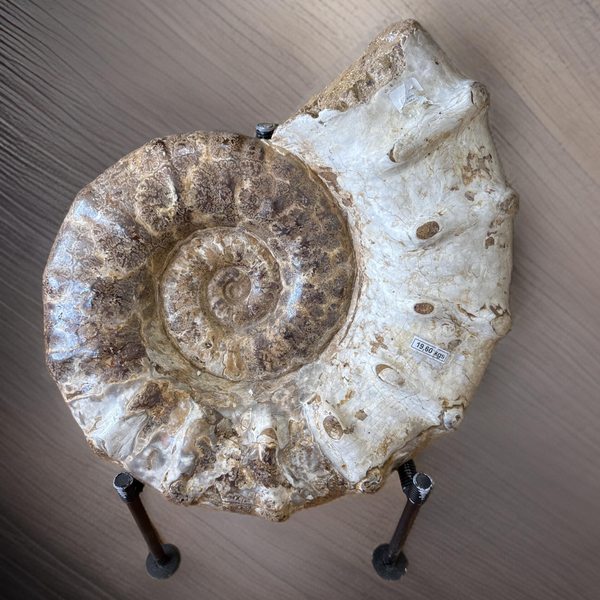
(262, 326)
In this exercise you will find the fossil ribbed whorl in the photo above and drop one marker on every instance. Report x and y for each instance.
(264, 292)
(234, 247)
(265, 325)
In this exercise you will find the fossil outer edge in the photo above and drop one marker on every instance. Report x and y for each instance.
(233, 320)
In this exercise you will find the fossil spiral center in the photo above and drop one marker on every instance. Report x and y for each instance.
(237, 290)
(218, 287)
(236, 294)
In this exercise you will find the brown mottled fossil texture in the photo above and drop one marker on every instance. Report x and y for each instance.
(263, 326)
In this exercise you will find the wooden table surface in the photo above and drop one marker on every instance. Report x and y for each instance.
(515, 512)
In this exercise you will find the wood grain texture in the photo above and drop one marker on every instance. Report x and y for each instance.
(515, 509)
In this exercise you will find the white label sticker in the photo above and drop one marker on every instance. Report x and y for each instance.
(429, 350)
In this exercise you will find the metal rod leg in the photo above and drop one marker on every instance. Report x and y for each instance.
(163, 559)
(388, 559)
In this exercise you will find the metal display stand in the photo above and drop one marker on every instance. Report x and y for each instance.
(163, 559)
(389, 560)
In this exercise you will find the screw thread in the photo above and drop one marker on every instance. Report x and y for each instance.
(407, 471)
(265, 131)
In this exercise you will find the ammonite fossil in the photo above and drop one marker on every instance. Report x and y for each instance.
(264, 325)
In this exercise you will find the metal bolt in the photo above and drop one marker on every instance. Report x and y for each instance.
(388, 559)
(163, 559)
(407, 471)
(265, 131)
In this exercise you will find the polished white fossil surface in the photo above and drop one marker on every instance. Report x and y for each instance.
(262, 326)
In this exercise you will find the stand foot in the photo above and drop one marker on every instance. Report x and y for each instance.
(391, 572)
(164, 571)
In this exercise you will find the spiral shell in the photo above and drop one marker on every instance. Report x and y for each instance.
(242, 256)
(234, 320)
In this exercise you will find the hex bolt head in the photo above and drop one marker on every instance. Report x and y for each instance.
(421, 486)
(128, 487)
